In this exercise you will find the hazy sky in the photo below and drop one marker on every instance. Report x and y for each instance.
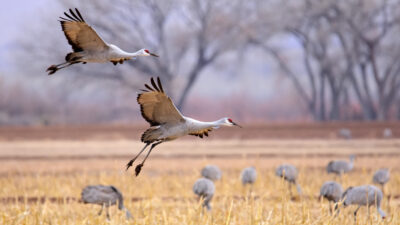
(13, 14)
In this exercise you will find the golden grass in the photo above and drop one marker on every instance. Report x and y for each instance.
(164, 187)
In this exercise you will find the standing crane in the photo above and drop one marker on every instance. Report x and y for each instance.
(211, 172)
(332, 191)
(339, 167)
(166, 122)
(363, 195)
(248, 175)
(105, 196)
(204, 189)
(381, 177)
(88, 46)
(289, 173)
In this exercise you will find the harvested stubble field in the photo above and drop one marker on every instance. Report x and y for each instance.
(41, 179)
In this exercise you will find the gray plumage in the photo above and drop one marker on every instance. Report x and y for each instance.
(211, 172)
(332, 191)
(366, 195)
(105, 196)
(381, 177)
(387, 133)
(249, 175)
(339, 167)
(345, 133)
(289, 173)
(204, 189)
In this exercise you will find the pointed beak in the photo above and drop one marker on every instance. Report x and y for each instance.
(152, 54)
(236, 124)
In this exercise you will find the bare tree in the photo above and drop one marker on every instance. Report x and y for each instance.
(343, 45)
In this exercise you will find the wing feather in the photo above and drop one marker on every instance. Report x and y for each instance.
(156, 107)
(201, 133)
(79, 34)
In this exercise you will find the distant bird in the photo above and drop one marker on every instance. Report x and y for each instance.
(88, 46)
(289, 173)
(166, 122)
(249, 175)
(332, 191)
(105, 196)
(339, 167)
(211, 172)
(204, 189)
(381, 177)
(387, 133)
(345, 133)
(363, 195)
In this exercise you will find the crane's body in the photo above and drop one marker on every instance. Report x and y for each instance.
(88, 46)
(366, 195)
(339, 167)
(105, 196)
(211, 172)
(332, 191)
(204, 188)
(289, 173)
(381, 177)
(248, 175)
(166, 122)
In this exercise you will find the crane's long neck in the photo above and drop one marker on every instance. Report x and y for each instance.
(200, 125)
(216, 124)
(132, 54)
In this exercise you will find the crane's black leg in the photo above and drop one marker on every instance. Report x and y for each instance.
(355, 213)
(53, 68)
(139, 167)
(101, 210)
(133, 160)
(290, 190)
(108, 213)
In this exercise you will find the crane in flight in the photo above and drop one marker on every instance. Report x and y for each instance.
(166, 122)
(88, 46)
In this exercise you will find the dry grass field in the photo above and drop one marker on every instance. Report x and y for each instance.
(41, 180)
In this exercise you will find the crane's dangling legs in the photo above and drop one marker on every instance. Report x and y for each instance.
(139, 167)
(53, 68)
(133, 160)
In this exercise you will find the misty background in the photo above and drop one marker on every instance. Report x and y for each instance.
(253, 61)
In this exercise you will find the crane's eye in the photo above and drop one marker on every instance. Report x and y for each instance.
(147, 51)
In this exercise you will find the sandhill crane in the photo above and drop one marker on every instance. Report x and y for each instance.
(332, 191)
(88, 46)
(363, 195)
(345, 133)
(166, 122)
(289, 173)
(339, 167)
(211, 172)
(204, 189)
(387, 133)
(381, 177)
(248, 175)
(105, 196)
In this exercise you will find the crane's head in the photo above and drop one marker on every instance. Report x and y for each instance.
(346, 201)
(229, 122)
(146, 52)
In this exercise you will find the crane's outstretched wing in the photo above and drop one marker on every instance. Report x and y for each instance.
(156, 107)
(80, 35)
(201, 133)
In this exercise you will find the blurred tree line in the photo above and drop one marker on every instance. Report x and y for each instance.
(341, 57)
